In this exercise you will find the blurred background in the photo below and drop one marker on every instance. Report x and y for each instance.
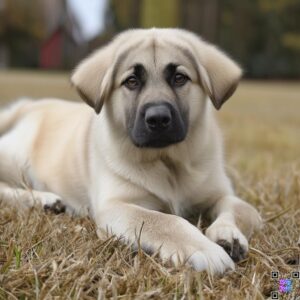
(262, 35)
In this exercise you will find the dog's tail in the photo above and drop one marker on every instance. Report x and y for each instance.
(11, 114)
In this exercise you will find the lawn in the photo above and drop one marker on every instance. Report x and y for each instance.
(43, 256)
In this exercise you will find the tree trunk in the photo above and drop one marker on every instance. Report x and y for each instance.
(201, 16)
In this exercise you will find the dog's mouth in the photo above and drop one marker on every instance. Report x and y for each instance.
(158, 125)
(159, 141)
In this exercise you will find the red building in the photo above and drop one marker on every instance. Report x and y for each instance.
(51, 51)
(63, 45)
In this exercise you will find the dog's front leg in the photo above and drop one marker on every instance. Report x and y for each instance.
(234, 221)
(173, 237)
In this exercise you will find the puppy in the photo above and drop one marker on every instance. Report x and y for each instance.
(146, 159)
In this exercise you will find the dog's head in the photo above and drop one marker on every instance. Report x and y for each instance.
(154, 83)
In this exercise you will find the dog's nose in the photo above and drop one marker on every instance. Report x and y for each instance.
(158, 117)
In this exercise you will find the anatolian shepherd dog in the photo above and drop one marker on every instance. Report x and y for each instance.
(147, 159)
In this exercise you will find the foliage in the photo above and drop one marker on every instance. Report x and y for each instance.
(263, 35)
(165, 16)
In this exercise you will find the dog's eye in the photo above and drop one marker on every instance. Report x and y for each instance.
(180, 79)
(132, 82)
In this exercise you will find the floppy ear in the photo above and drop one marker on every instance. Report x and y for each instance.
(92, 77)
(219, 74)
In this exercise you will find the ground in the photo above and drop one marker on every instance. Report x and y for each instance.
(44, 255)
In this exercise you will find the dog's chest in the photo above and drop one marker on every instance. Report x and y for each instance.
(182, 187)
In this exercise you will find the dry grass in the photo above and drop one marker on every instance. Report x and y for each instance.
(44, 256)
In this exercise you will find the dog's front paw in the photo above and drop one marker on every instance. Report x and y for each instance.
(188, 245)
(230, 238)
(217, 260)
(209, 256)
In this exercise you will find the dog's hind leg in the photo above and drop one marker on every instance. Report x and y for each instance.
(27, 198)
(15, 178)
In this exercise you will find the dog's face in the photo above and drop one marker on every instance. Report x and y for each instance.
(156, 87)
(154, 83)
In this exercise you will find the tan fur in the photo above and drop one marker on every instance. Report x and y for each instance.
(246, 218)
(219, 74)
(88, 161)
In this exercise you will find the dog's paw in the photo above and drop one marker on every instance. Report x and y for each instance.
(216, 259)
(210, 257)
(186, 244)
(229, 237)
(57, 207)
(52, 203)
